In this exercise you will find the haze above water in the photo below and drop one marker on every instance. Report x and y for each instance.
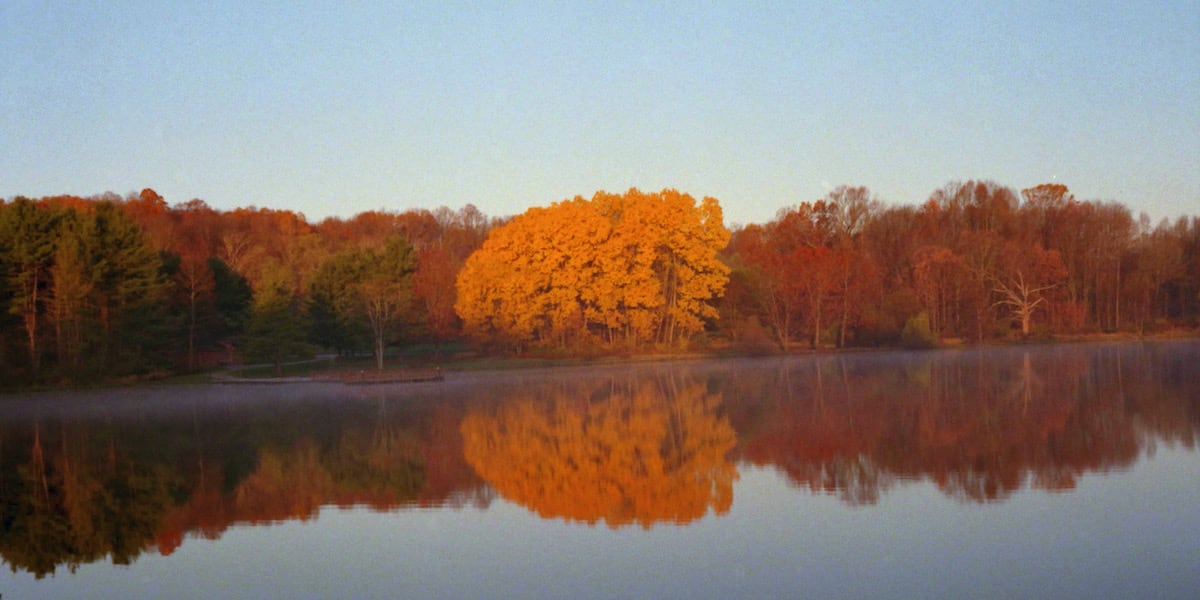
(1039, 471)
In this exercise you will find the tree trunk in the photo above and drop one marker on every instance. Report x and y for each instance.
(816, 338)
(379, 348)
(192, 331)
(31, 327)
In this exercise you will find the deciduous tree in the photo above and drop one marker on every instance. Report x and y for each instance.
(1026, 280)
(362, 291)
(276, 330)
(636, 267)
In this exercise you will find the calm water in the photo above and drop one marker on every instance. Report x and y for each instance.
(1054, 472)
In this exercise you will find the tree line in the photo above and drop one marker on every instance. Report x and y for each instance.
(977, 262)
(110, 286)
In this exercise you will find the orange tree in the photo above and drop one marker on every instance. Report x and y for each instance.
(635, 268)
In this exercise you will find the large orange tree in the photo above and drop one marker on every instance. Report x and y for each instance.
(635, 268)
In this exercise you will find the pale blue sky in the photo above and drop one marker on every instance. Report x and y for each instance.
(336, 108)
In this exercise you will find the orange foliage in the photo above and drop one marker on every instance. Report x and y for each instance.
(643, 451)
(635, 267)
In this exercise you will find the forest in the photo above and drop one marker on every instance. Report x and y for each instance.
(123, 288)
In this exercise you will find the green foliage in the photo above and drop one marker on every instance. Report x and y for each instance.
(335, 315)
(85, 290)
(360, 297)
(382, 462)
(917, 334)
(28, 237)
(128, 293)
(232, 296)
(57, 511)
(277, 327)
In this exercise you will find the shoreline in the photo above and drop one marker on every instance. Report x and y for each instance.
(478, 364)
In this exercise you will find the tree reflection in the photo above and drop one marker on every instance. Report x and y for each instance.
(83, 485)
(978, 424)
(78, 492)
(64, 508)
(636, 450)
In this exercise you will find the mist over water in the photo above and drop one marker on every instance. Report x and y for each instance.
(1044, 471)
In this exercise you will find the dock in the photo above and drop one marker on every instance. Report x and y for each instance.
(373, 376)
(347, 377)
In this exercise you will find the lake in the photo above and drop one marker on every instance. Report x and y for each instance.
(1055, 471)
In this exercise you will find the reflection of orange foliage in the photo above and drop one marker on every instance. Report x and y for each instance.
(646, 451)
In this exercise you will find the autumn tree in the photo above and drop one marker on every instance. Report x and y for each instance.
(808, 267)
(819, 273)
(255, 240)
(686, 238)
(526, 278)
(888, 241)
(1092, 239)
(850, 210)
(743, 305)
(152, 214)
(433, 287)
(767, 256)
(1030, 273)
(639, 268)
(661, 263)
(1182, 293)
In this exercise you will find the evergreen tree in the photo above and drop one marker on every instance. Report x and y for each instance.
(128, 285)
(27, 246)
(336, 316)
(232, 296)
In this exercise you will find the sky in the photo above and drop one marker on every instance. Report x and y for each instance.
(332, 109)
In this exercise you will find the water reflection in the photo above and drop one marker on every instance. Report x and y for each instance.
(76, 489)
(631, 449)
(90, 476)
(979, 424)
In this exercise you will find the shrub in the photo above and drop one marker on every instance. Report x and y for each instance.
(916, 333)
